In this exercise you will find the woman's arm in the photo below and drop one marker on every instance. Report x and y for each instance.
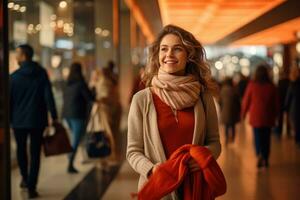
(135, 140)
(212, 139)
(88, 95)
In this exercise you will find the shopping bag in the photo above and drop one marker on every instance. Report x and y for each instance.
(57, 142)
(96, 142)
(97, 145)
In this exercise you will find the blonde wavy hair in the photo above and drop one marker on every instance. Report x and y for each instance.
(197, 64)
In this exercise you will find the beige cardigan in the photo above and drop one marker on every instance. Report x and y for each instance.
(144, 146)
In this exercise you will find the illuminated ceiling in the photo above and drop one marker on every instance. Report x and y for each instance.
(212, 20)
(282, 33)
(141, 19)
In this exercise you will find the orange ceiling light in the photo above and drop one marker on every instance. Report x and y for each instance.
(141, 20)
(281, 34)
(212, 20)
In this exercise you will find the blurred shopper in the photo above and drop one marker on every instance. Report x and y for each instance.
(169, 112)
(30, 99)
(138, 83)
(230, 108)
(282, 88)
(261, 101)
(242, 84)
(77, 97)
(108, 105)
(292, 102)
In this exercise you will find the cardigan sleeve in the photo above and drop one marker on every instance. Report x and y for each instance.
(212, 138)
(135, 140)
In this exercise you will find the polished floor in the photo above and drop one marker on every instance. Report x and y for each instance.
(281, 181)
(54, 181)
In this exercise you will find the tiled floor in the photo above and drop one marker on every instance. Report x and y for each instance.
(280, 182)
(93, 185)
(123, 185)
(54, 181)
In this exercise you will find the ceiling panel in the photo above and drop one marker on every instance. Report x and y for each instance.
(282, 33)
(212, 20)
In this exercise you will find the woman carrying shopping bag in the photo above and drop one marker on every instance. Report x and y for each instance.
(105, 114)
(77, 97)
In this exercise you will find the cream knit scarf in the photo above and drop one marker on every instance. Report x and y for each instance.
(178, 92)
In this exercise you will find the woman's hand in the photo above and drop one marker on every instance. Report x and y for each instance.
(193, 165)
(154, 168)
(94, 78)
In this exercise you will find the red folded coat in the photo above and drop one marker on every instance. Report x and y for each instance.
(205, 184)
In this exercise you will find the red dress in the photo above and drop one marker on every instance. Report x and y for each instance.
(173, 135)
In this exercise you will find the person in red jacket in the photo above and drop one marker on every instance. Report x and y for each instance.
(261, 101)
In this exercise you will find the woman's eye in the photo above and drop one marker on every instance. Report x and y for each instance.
(163, 49)
(178, 49)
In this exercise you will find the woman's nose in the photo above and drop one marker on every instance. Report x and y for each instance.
(169, 52)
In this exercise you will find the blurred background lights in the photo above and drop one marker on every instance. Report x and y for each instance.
(235, 59)
(16, 7)
(227, 59)
(105, 33)
(10, 5)
(244, 62)
(245, 71)
(63, 4)
(23, 9)
(298, 47)
(219, 65)
(278, 59)
(38, 27)
(98, 30)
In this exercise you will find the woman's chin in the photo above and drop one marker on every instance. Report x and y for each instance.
(174, 71)
(177, 73)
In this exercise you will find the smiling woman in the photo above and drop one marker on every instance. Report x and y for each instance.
(175, 109)
(176, 44)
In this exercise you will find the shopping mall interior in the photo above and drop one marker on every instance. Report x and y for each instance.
(237, 35)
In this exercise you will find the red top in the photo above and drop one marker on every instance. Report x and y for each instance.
(261, 101)
(173, 135)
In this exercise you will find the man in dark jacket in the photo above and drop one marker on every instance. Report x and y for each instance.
(30, 99)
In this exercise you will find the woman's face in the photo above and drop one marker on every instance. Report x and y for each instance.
(172, 55)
